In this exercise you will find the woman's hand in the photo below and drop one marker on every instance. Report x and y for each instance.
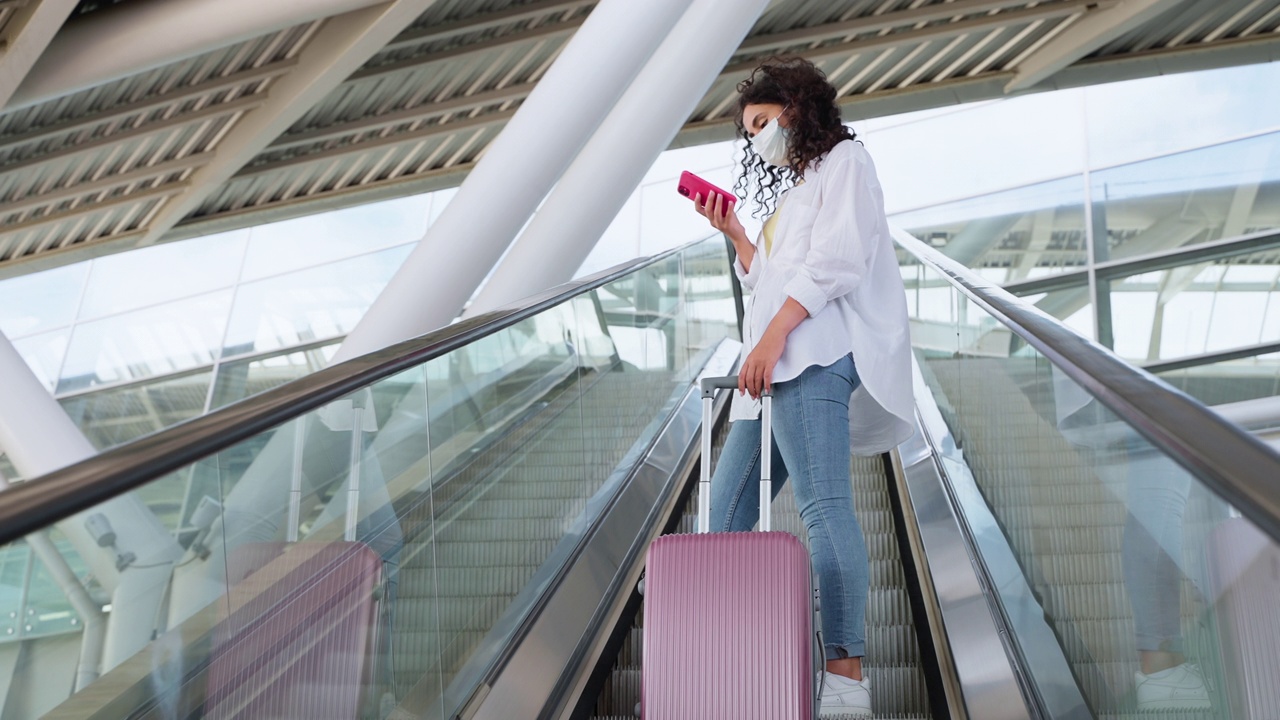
(721, 214)
(757, 370)
(756, 374)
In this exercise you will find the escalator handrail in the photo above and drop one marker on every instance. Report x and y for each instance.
(42, 501)
(1229, 460)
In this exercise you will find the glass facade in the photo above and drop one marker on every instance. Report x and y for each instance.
(136, 342)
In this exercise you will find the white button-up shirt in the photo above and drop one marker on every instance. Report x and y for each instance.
(832, 252)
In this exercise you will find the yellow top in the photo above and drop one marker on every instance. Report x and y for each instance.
(769, 225)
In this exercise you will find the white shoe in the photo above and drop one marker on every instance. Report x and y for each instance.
(843, 696)
(1178, 688)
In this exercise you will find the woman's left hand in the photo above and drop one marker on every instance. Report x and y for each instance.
(757, 370)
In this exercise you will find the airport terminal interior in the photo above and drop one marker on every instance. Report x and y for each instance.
(350, 350)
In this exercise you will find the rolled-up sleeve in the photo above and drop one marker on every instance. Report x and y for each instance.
(843, 234)
(747, 278)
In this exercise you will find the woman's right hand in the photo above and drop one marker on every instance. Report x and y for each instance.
(721, 215)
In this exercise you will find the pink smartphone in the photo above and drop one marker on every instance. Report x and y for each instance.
(691, 185)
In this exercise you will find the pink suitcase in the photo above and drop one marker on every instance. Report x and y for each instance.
(299, 634)
(1244, 584)
(729, 617)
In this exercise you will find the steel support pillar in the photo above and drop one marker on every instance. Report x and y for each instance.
(517, 170)
(615, 159)
(39, 438)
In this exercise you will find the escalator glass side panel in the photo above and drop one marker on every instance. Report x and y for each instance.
(384, 547)
(1161, 596)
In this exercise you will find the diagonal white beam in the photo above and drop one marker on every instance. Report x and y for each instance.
(338, 49)
(1088, 34)
(25, 38)
(130, 38)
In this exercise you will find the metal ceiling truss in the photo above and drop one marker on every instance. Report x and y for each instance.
(405, 96)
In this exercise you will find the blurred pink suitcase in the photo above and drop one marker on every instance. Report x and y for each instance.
(298, 638)
(1244, 581)
(728, 617)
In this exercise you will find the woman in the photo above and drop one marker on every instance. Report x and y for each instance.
(825, 330)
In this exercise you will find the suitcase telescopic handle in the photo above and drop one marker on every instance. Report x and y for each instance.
(709, 387)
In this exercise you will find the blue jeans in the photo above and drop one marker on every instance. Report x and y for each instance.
(811, 442)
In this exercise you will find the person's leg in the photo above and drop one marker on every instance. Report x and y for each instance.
(1152, 555)
(735, 481)
(811, 424)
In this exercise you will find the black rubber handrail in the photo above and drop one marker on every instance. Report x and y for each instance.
(50, 498)
(1233, 463)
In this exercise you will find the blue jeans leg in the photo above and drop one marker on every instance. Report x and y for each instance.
(811, 433)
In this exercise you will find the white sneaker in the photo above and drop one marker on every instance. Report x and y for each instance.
(1178, 688)
(843, 696)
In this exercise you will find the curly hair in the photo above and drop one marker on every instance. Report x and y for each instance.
(814, 124)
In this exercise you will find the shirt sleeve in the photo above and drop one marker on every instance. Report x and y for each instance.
(844, 232)
(748, 279)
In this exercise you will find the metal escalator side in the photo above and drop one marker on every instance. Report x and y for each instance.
(1119, 528)
(378, 536)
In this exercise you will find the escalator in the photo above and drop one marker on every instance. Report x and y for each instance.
(508, 473)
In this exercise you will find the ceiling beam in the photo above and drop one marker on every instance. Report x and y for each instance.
(488, 21)
(133, 198)
(1086, 35)
(241, 105)
(875, 23)
(338, 48)
(1047, 11)
(71, 192)
(25, 38)
(542, 32)
(426, 133)
(176, 96)
(133, 37)
(399, 117)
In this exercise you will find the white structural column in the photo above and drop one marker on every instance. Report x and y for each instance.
(516, 172)
(25, 38)
(616, 158)
(39, 438)
(134, 37)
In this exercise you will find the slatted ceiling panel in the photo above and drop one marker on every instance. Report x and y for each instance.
(1197, 21)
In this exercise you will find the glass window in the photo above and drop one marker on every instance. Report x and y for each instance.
(308, 305)
(155, 275)
(117, 415)
(309, 241)
(1127, 120)
(238, 380)
(155, 341)
(41, 301)
(1217, 192)
(44, 354)
(1033, 231)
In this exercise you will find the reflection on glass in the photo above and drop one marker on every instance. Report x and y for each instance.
(1231, 381)
(397, 535)
(1195, 309)
(308, 305)
(155, 341)
(1218, 192)
(239, 379)
(1143, 573)
(1032, 231)
(118, 415)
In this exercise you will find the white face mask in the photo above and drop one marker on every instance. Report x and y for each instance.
(772, 141)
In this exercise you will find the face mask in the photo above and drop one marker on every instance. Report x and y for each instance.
(772, 141)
